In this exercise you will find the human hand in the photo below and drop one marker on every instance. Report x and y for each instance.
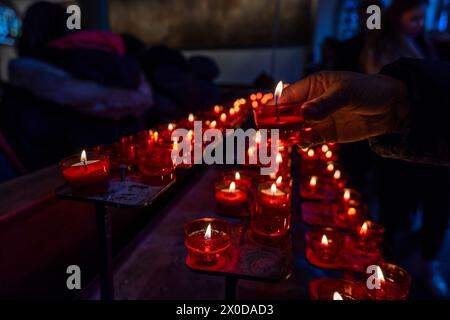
(348, 107)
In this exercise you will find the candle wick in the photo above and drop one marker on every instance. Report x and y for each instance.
(276, 109)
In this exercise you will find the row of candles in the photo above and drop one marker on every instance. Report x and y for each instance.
(208, 240)
(149, 152)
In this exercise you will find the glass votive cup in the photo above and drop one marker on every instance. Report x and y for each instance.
(231, 199)
(393, 284)
(326, 244)
(207, 240)
(156, 166)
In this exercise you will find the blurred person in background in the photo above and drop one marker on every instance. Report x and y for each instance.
(406, 189)
(69, 90)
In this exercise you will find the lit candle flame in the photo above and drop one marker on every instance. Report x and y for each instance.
(237, 176)
(258, 137)
(217, 109)
(313, 181)
(311, 153)
(325, 148)
(250, 152)
(83, 157)
(232, 111)
(232, 186)
(273, 175)
(191, 117)
(170, 126)
(351, 211)
(213, 124)
(337, 174)
(347, 195)
(208, 232)
(279, 158)
(330, 166)
(329, 154)
(379, 274)
(279, 180)
(278, 91)
(223, 117)
(324, 240)
(363, 230)
(337, 296)
(155, 136)
(273, 189)
(237, 108)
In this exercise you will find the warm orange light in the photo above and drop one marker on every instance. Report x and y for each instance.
(255, 104)
(242, 101)
(351, 211)
(232, 112)
(213, 124)
(324, 240)
(191, 117)
(170, 127)
(232, 187)
(237, 176)
(346, 195)
(278, 91)
(237, 109)
(273, 188)
(364, 228)
(379, 276)
(328, 154)
(155, 136)
(259, 95)
(253, 97)
(279, 158)
(83, 157)
(337, 296)
(311, 153)
(325, 148)
(258, 137)
(330, 166)
(279, 180)
(223, 117)
(337, 174)
(208, 232)
(217, 109)
(313, 181)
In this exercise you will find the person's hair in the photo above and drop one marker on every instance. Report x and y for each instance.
(43, 22)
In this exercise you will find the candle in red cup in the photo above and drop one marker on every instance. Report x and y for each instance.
(207, 240)
(350, 208)
(271, 217)
(390, 282)
(231, 199)
(326, 244)
(240, 178)
(156, 165)
(369, 236)
(288, 118)
(88, 169)
(337, 289)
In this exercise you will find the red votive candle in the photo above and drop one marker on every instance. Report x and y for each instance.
(241, 179)
(337, 289)
(207, 240)
(89, 169)
(369, 236)
(350, 208)
(390, 283)
(231, 199)
(326, 243)
(271, 216)
(156, 166)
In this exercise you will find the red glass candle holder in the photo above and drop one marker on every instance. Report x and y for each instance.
(231, 199)
(207, 240)
(317, 187)
(326, 244)
(368, 236)
(337, 289)
(90, 170)
(242, 179)
(288, 118)
(349, 206)
(271, 217)
(392, 281)
(156, 166)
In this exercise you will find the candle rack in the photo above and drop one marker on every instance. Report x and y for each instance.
(249, 260)
(123, 192)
